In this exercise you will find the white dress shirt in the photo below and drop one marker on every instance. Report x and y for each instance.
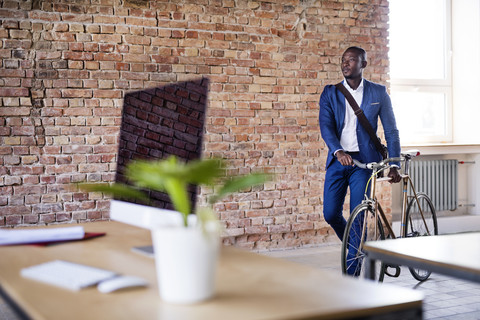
(348, 139)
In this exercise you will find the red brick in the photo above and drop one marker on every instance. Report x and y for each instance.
(108, 56)
(12, 73)
(136, 58)
(13, 220)
(71, 55)
(120, 66)
(76, 93)
(63, 36)
(107, 38)
(141, 21)
(105, 75)
(14, 111)
(47, 16)
(47, 218)
(108, 19)
(113, 94)
(63, 217)
(95, 215)
(46, 208)
(23, 131)
(77, 17)
(30, 219)
(13, 92)
(256, 230)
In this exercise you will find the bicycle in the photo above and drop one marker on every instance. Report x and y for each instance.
(368, 221)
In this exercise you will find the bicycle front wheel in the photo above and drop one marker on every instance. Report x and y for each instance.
(360, 228)
(421, 220)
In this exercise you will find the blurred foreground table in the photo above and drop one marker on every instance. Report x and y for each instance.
(249, 286)
(455, 255)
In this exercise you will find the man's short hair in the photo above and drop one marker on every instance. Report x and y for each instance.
(361, 52)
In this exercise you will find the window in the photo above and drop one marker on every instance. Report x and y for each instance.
(420, 70)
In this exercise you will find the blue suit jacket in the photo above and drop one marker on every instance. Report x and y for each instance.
(376, 103)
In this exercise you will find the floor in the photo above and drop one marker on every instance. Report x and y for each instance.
(6, 313)
(445, 297)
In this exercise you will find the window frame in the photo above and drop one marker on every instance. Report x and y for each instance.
(444, 85)
(448, 123)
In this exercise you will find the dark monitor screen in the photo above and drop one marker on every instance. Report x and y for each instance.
(160, 122)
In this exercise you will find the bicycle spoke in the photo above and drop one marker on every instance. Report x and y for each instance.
(421, 220)
(360, 228)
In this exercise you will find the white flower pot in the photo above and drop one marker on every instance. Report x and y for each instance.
(185, 259)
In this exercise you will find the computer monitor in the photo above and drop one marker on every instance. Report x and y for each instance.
(156, 123)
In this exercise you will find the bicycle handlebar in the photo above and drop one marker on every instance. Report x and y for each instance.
(360, 164)
(381, 165)
(385, 164)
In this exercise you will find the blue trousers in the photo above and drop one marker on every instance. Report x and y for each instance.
(337, 180)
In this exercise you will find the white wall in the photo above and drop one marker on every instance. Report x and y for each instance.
(466, 66)
(468, 182)
(474, 184)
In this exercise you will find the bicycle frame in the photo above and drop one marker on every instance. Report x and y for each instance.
(373, 224)
(377, 208)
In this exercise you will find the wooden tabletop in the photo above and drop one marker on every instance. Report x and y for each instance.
(456, 255)
(249, 285)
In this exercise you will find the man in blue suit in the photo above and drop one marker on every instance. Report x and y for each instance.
(346, 139)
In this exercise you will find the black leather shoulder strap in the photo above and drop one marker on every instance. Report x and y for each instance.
(361, 117)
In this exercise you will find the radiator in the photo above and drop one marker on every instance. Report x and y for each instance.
(438, 179)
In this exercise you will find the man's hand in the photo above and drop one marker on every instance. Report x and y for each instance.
(344, 158)
(394, 175)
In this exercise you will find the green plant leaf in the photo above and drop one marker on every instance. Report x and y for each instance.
(240, 183)
(204, 171)
(116, 189)
(174, 177)
(177, 191)
(153, 175)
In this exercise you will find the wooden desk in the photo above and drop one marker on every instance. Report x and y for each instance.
(249, 286)
(455, 255)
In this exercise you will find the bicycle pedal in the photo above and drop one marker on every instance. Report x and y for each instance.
(393, 275)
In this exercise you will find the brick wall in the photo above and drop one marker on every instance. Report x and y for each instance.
(65, 67)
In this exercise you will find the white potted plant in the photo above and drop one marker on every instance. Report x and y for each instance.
(185, 256)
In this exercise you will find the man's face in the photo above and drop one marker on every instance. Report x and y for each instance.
(352, 64)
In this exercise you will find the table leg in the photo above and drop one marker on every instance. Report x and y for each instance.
(10, 303)
(369, 268)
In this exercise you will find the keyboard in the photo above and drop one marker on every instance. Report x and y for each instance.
(67, 275)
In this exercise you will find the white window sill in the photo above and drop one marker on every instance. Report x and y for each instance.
(444, 148)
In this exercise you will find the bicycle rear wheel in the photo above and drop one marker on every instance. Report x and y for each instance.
(416, 226)
(361, 227)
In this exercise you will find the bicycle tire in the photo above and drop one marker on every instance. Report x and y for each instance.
(416, 227)
(356, 263)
